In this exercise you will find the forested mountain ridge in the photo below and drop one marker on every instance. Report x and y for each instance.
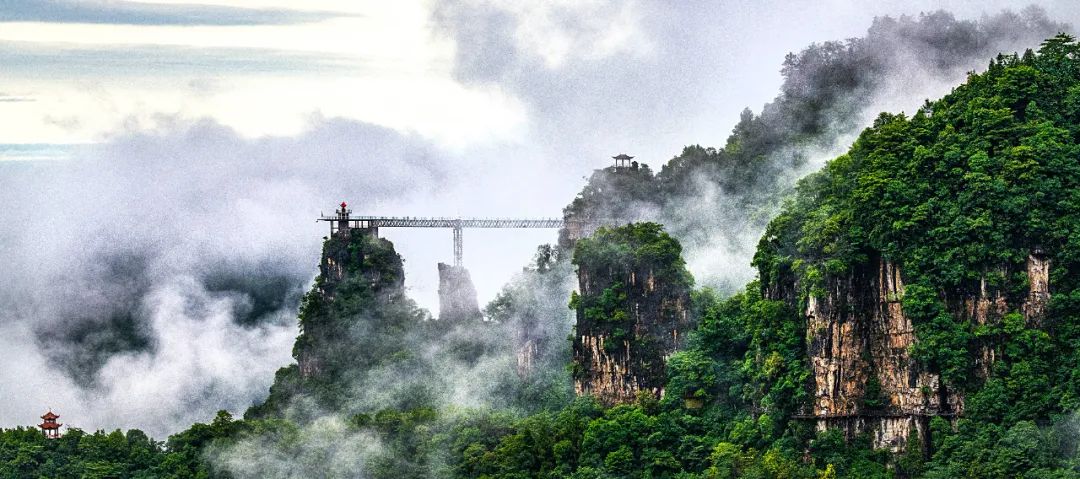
(936, 262)
(942, 246)
(718, 200)
(914, 315)
(902, 325)
(944, 221)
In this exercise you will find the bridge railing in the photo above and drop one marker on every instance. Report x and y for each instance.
(442, 222)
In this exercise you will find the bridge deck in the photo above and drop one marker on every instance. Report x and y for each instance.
(415, 222)
(345, 220)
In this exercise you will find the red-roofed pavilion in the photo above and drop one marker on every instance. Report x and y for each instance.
(50, 427)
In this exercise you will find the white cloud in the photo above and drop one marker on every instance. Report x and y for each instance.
(568, 30)
(578, 80)
(383, 67)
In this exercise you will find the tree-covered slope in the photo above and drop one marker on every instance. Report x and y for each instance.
(632, 311)
(976, 200)
(355, 320)
(961, 196)
(718, 199)
(959, 208)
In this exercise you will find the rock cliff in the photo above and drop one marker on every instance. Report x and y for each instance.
(355, 263)
(457, 295)
(860, 341)
(353, 319)
(632, 312)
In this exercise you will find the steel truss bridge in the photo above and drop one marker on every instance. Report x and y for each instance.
(344, 221)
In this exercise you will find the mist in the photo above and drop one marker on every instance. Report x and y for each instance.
(718, 198)
(153, 277)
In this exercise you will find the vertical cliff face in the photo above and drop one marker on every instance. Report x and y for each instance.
(1038, 273)
(457, 295)
(359, 259)
(926, 256)
(632, 311)
(860, 342)
(622, 357)
(357, 264)
(353, 319)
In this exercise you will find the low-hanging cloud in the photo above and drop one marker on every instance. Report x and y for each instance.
(435, 370)
(327, 445)
(643, 69)
(156, 275)
(154, 278)
(830, 92)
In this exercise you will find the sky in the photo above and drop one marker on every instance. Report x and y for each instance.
(153, 153)
(534, 94)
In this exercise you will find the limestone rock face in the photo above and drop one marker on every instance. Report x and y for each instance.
(526, 357)
(1038, 271)
(344, 266)
(858, 336)
(457, 295)
(539, 318)
(616, 360)
(343, 258)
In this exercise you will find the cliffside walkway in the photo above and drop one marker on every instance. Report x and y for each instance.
(343, 220)
(865, 414)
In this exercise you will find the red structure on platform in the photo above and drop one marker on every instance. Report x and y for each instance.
(50, 427)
